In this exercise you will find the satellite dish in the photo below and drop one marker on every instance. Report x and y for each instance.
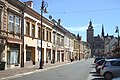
(50, 17)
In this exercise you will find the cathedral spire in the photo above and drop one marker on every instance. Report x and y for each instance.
(102, 30)
(90, 24)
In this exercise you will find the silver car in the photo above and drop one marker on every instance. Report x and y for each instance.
(110, 68)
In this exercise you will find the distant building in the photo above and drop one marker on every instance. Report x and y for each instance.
(97, 43)
(90, 36)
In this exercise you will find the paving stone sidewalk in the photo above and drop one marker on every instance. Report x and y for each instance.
(9, 73)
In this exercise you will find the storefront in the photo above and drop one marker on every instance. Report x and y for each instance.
(48, 55)
(58, 56)
(13, 55)
(30, 56)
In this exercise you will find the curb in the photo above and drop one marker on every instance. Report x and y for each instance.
(27, 73)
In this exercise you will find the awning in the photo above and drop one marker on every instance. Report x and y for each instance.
(12, 40)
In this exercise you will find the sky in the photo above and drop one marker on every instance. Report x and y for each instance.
(75, 15)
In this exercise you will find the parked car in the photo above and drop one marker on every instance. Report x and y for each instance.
(97, 58)
(98, 65)
(110, 68)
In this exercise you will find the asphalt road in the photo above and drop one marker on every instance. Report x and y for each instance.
(77, 71)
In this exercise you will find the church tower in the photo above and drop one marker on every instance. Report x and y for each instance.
(90, 36)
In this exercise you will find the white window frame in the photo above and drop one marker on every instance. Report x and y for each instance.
(14, 25)
(17, 25)
(13, 57)
(11, 26)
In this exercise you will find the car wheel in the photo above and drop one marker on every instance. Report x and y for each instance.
(108, 76)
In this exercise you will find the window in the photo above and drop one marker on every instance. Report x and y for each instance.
(53, 38)
(115, 63)
(47, 36)
(13, 57)
(39, 30)
(43, 32)
(33, 30)
(58, 39)
(62, 41)
(11, 23)
(28, 55)
(50, 36)
(27, 28)
(0, 19)
(14, 23)
(17, 25)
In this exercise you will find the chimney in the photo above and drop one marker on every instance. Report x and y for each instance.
(59, 20)
(29, 3)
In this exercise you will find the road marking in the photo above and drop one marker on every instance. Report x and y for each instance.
(94, 76)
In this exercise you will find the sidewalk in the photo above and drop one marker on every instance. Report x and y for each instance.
(9, 73)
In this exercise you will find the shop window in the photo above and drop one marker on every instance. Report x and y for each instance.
(49, 54)
(28, 55)
(12, 57)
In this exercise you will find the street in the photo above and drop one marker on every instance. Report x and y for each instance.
(79, 70)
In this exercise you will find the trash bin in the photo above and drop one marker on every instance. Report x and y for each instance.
(2, 65)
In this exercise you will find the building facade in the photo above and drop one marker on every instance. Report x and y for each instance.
(20, 37)
(32, 38)
(11, 13)
(97, 43)
(90, 36)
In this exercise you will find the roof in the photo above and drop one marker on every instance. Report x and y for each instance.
(115, 59)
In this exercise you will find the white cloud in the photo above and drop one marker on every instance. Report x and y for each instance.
(83, 28)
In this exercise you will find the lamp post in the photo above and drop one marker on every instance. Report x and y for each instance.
(79, 48)
(44, 6)
(79, 38)
(117, 31)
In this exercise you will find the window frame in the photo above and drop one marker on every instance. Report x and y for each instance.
(11, 26)
(33, 30)
(17, 25)
(0, 19)
(39, 32)
(27, 28)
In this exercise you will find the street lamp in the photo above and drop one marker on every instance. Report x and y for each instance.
(79, 38)
(117, 31)
(44, 6)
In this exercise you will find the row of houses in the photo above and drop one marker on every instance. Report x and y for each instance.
(103, 45)
(20, 37)
(112, 48)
